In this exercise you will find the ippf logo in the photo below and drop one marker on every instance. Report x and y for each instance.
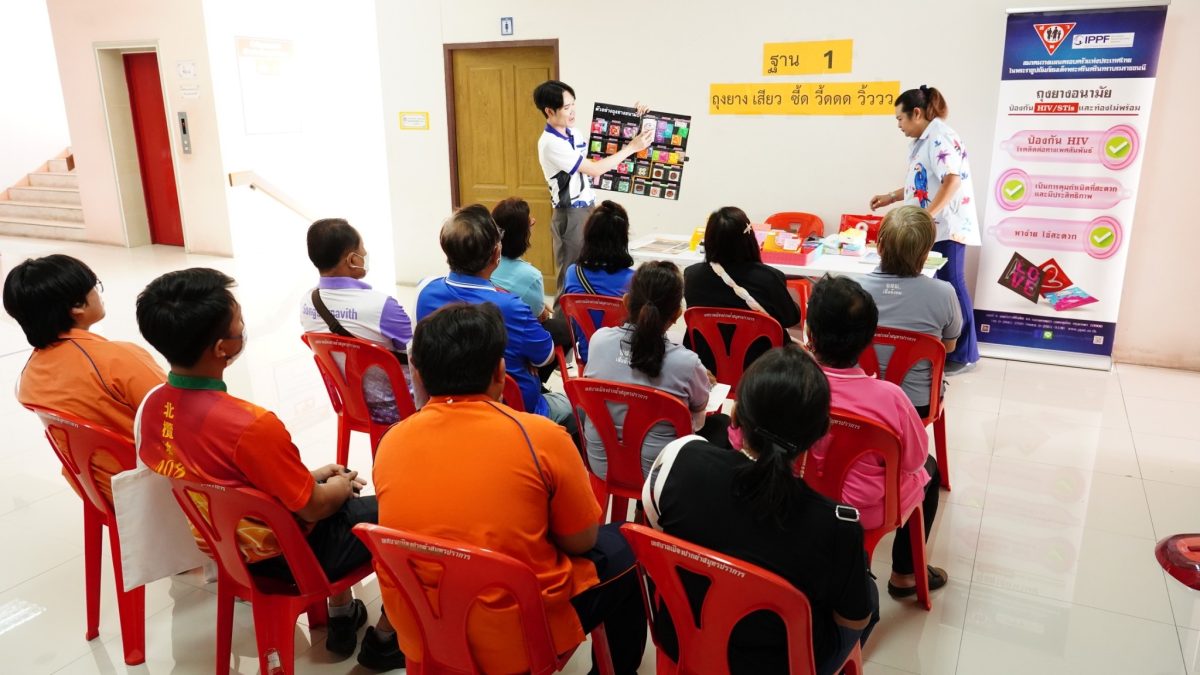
(1053, 35)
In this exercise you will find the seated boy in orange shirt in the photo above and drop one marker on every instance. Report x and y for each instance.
(56, 299)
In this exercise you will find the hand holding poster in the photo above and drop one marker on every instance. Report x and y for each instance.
(1075, 96)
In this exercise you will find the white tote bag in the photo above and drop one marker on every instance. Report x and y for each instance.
(156, 541)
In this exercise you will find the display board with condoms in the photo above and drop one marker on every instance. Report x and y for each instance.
(656, 171)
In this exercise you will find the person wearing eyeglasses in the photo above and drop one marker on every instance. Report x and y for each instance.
(57, 300)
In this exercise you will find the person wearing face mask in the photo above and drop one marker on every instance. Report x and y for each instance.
(190, 428)
(939, 181)
(56, 300)
(344, 304)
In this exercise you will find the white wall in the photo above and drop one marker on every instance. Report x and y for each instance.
(335, 165)
(828, 166)
(33, 119)
(177, 27)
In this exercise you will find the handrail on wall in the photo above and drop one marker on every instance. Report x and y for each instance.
(256, 182)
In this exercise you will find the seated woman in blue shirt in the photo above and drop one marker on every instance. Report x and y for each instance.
(517, 276)
(604, 266)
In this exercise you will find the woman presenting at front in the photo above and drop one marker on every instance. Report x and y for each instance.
(939, 181)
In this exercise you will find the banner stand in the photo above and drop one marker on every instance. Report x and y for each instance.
(1058, 358)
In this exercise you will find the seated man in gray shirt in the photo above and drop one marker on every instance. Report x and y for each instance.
(908, 300)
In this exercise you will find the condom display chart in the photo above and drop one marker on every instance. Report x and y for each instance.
(654, 172)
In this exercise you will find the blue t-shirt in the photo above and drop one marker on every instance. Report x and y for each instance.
(528, 343)
(612, 284)
(519, 277)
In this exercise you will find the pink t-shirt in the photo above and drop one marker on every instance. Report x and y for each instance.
(855, 392)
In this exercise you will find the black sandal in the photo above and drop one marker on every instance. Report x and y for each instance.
(937, 579)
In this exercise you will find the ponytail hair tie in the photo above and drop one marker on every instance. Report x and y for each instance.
(924, 88)
(787, 446)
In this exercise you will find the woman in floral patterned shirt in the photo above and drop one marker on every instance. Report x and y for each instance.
(939, 181)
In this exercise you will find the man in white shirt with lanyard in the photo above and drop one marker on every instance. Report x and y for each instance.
(563, 156)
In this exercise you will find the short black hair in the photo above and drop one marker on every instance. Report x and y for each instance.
(606, 239)
(842, 318)
(512, 217)
(183, 313)
(728, 239)
(41, 292)
(457, 348)
(328, 240)
(469, 239)
(549, 94)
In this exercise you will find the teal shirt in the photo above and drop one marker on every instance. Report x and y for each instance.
(523, 280)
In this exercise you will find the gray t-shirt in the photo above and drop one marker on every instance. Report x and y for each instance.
(682, 376)
(918, 304)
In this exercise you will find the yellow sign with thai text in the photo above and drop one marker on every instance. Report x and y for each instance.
(805, 98)
(808, 58)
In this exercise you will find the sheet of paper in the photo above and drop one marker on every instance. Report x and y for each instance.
(716, 396)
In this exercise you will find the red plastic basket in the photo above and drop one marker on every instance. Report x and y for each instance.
(851, 221)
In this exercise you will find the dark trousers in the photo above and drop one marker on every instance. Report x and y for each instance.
(847, 637)
(616, 602)
(556, 326)
(337, 549)
(967, 348)
(902, 562)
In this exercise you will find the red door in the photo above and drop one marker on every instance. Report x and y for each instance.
(154, 148)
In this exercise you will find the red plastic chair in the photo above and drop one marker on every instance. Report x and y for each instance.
(76, 441)
(578, 308)
(1179, 555)
(466, 573)
(802, 224)
(512, 394)
(855, 438)
(346, 391)
(737, 589)
(910, 349)
(802, 287)
(749, 326)
(276, 604)
(644, 407)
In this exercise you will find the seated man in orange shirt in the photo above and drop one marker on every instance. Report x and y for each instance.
(56, 299)
(191, 428)
(467, 468)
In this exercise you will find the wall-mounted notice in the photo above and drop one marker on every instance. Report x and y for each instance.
(414, 121)
(806, 98)
(656, 171)
(808, 58)
(270, 85)
(1075, 92)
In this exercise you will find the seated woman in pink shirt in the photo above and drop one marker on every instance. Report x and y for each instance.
(841, 322)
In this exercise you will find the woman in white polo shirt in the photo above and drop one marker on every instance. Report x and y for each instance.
(939, 181)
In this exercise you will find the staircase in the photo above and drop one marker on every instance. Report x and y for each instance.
(45, 203)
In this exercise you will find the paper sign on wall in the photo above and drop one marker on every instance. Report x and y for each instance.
(414, 121)
(806, 98)
(808, 58)
(270, 85)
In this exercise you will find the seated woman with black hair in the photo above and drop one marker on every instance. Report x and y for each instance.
(640, 353)
(604, 266)
(733, 276)
(56, 300)
(517, 276)
(749, 505)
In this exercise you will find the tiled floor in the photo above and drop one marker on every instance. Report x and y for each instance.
(1063, 480)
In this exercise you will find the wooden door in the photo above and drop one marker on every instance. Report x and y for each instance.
(152, 135)
(496, 131)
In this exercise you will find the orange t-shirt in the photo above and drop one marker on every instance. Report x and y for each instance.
(190, 428)
(461, 469)
(89, 377)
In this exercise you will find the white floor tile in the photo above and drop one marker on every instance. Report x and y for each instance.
(1173, 508)
(968, 430)
(1146, 382)
(1168, 459)
(1053, 441)
(969, 473)
(1011, 632)
(1162, 417)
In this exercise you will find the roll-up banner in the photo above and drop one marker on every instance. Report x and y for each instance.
(1075, 92)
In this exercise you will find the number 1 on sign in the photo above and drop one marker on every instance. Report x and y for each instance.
(828, 59)
(808, 58)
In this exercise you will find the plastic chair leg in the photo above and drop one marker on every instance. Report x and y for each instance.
(601, 655)
(92, 553)
(939, 442)
(620, 510)
(131, 606)
(274, 631)
(916, 539)
(663, 665)
(224, 626)
(853, 664)
(343, 442)
(318, 614)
